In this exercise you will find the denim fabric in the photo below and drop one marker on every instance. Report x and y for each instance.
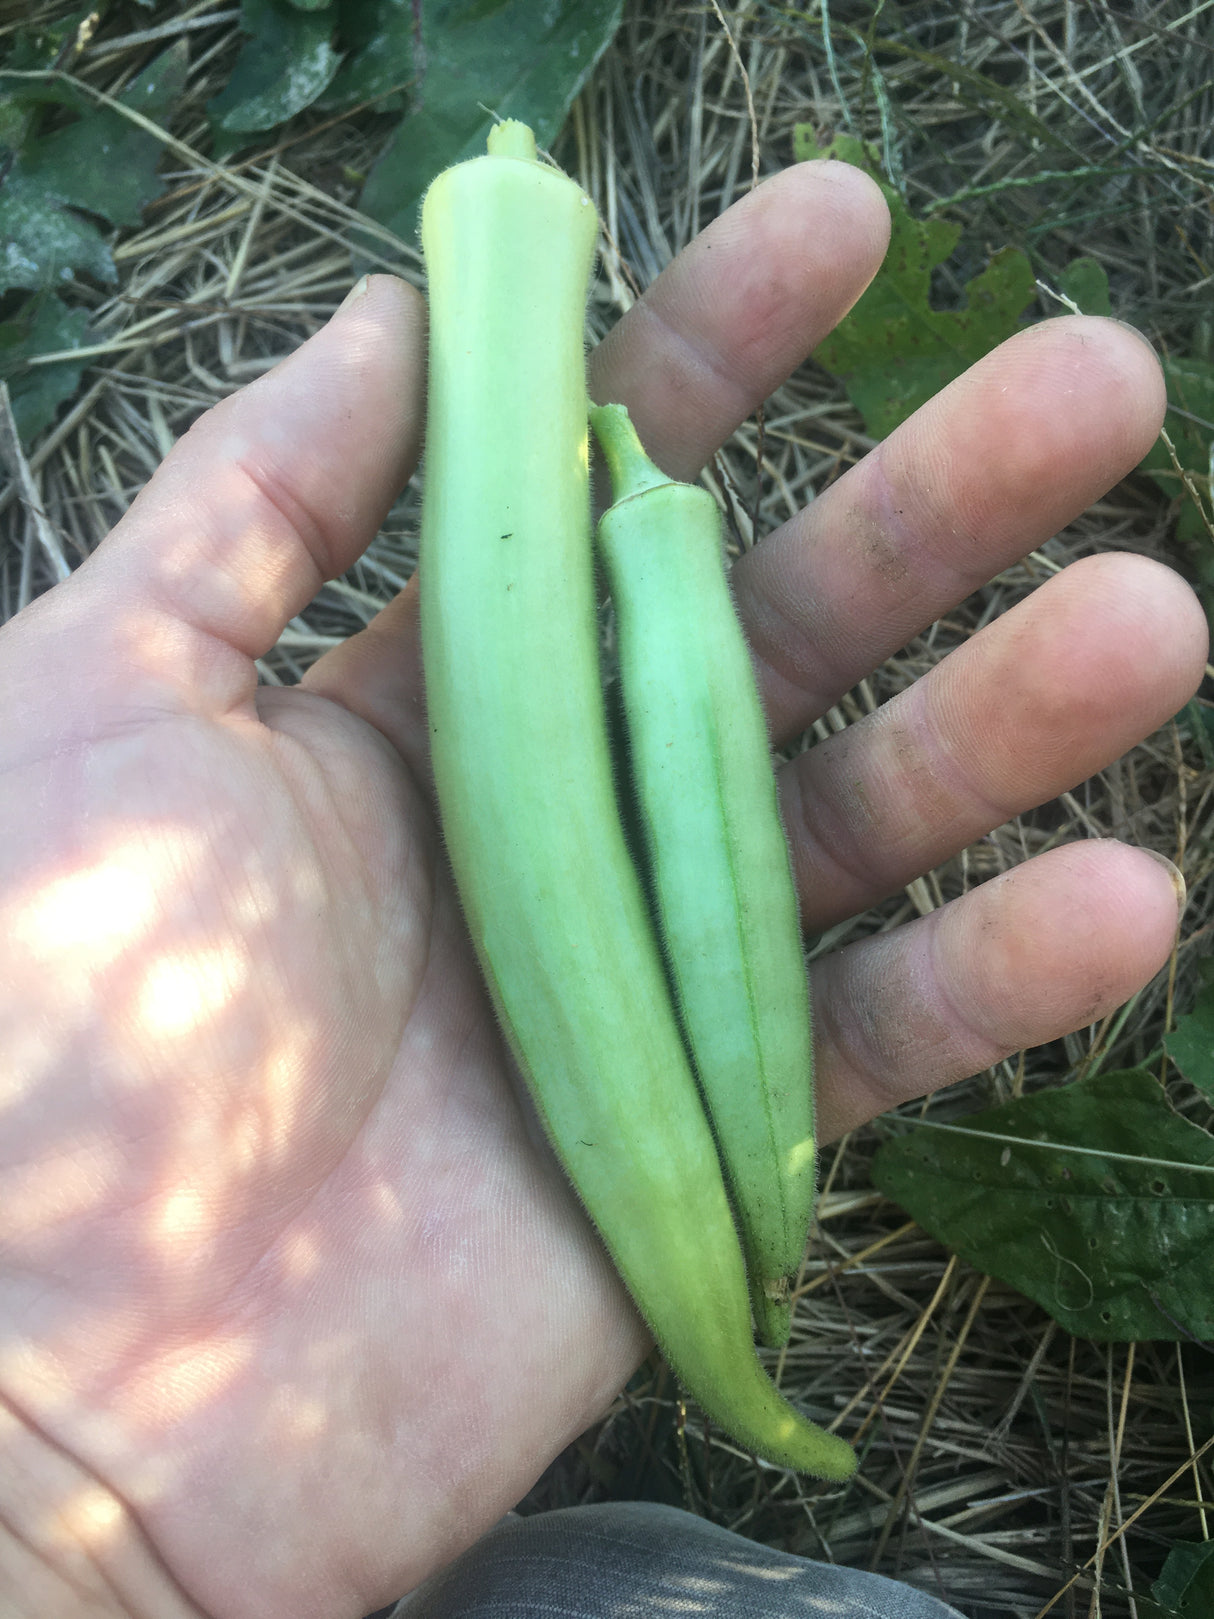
(638, 1560)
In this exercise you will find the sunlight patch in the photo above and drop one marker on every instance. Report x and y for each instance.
(181, 992)
(99, 910)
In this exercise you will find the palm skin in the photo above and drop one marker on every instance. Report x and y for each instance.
(294, 1302)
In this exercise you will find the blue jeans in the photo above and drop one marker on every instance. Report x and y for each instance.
(633, 1560)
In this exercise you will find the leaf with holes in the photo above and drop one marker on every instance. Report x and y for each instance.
(894, 350)
(1096, 1200)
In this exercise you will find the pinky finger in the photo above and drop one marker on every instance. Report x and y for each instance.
(1031, 955)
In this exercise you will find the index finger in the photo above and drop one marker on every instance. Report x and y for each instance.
(740, 308)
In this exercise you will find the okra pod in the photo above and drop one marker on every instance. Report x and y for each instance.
(719, 863)
(524, 776)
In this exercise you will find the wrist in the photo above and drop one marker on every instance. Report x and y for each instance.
(69, 1546)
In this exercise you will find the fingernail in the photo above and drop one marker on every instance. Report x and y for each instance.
(1180, 888)
(359, 290)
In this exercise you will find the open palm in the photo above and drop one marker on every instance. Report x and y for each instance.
(293, 1303)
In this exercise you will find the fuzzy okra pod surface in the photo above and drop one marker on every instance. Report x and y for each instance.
(524, 776)
(718, 859)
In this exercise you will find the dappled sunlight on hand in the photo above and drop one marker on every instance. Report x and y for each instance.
(293, 1301)
(262, 1166)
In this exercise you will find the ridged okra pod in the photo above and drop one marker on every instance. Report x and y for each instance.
(524, 775)
(719, 863)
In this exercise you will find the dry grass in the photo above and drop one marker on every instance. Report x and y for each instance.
(1002, 1458)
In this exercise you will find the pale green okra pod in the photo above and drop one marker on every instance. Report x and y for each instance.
(719, 864)
(524, 775)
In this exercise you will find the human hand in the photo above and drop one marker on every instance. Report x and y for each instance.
(293, 1304)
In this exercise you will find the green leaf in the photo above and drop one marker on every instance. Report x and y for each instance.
(104, 163)
(44, 325)
(1197, 718)
(1085, 283)
(1190, 426)
(101, 163)
(1057, 1195)
(377, 36)
(1191, 1043)
(281, 70)
(893, 351)
(42, 244)
(21, 98)
(1185, 1587)
(39, 46)
(1189, 422)
(518, 58)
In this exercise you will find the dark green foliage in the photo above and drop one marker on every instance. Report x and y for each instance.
(104, 163)
(455, 65)
(57, 189)
(45, 325)
(894, 350)
(1096, 1200)
(1185, 1587)
(446, 62)
(1084, 282)
(1190, 426)
(100, 163)
(1191, 1043)
(517, 59)
(286, 63)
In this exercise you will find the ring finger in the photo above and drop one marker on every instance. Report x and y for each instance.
(1035, 703)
